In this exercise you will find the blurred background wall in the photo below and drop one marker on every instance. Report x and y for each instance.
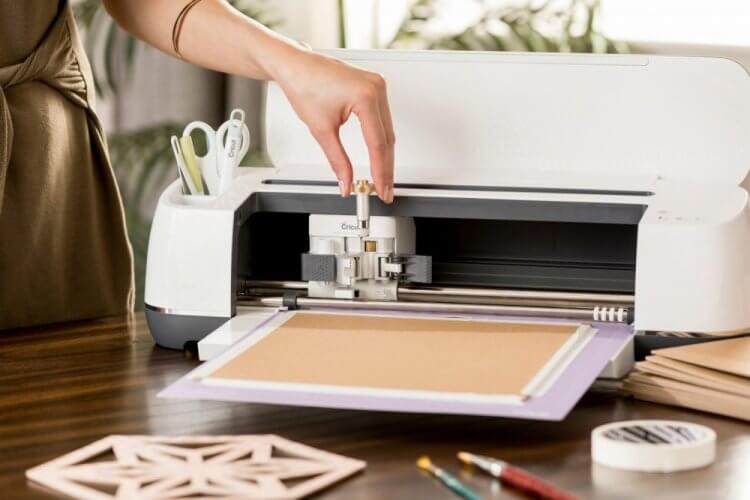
(146, 96)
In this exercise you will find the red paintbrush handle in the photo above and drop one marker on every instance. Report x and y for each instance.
(532, 485)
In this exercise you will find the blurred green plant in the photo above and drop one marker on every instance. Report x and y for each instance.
(144, 162)
(532, 26)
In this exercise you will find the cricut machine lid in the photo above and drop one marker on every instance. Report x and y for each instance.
(674, 117)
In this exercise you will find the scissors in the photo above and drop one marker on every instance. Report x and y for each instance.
(225, 149)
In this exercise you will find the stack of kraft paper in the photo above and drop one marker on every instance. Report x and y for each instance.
(711, 376)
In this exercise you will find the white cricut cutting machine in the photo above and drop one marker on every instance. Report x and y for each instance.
(595, 187)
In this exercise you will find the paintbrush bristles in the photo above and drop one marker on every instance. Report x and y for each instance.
(465, 457)
(424, 463)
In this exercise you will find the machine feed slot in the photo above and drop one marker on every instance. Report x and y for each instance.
(495, 243)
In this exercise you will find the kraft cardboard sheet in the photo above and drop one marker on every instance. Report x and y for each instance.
(663, 390)
(726, 355)
(434, 358)
(695, 375)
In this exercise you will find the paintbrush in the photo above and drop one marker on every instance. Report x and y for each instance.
(515, 477)
(448, 480)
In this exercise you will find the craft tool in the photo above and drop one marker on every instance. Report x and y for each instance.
(514, 477)
(183, 182)
(362, 189)
(232, 148)
(225, 148)
(206, 163)
(191, 162)
(448, 480)
(188, 186)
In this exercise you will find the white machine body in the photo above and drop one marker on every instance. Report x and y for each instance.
(659, 140)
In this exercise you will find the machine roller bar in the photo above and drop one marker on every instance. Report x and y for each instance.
(471, 295)
(587, 314)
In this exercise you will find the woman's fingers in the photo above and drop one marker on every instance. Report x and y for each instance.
(390, 134)
(378, 136)
(324, 92)
(385, 112)
(330, 142)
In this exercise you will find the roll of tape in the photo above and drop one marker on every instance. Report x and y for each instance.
(653, 445)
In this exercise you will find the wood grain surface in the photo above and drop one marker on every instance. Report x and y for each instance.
(62, 387)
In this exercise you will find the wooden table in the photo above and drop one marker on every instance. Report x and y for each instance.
(62, 387)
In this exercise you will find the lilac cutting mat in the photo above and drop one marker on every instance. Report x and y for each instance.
(555, 404)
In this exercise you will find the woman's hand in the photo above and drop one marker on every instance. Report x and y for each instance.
(324, 93)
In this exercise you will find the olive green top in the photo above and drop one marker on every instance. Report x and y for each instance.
(23, 26)
(64, 251)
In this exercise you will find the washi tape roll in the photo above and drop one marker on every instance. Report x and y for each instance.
(653, 445)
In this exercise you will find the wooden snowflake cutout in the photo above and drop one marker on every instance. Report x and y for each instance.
(252, 467)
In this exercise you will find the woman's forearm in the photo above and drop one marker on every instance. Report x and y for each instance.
(323, 91)
(214, 35)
